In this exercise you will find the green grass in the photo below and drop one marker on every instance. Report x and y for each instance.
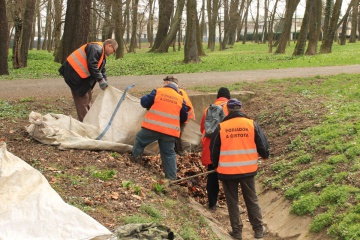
(247, 56)
(319, 172)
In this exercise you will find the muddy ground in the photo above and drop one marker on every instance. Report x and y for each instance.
(110, 202)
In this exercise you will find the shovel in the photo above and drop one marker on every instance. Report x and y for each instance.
(196, 175)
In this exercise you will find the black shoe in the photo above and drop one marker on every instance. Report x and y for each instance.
(236, 235)
(213, 208)
(260, 233)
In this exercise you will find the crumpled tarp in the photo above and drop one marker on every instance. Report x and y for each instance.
(31, 209)
(151, 231)
(113, 124)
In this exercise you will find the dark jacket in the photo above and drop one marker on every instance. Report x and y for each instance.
(82, 85)
(148, 100)
(261, 142)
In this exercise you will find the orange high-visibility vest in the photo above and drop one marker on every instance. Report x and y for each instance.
(238, 154)
(78, 60)
(164, 114)
(191, 112)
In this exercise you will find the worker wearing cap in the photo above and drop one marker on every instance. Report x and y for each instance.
(83, 68)
(167, 110)
(235, 146)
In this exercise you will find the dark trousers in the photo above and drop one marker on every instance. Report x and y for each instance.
(212, 186)
(251, 201)
(82, 104)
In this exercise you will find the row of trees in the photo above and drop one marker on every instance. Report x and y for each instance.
(86, 20)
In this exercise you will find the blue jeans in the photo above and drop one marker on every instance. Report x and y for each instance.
(166, 144)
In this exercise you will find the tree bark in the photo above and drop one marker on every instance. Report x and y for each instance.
(289, 12)
(326, 44)
(38, 46)
(234, 19)
(4, 34)
(119, 28)
(271, 27)
(213, 11)
(127, 21)
(191, 48)
(226, 25)
(314, 27)
(174, 28)
(354, 19)
(76, 29)
(150, 23)
(166, 10)
(47, 35)
(256, 28)
(57, 23)
(134, 21)
(264, 36)
(240, 21)
(301, 41)
(245, 21)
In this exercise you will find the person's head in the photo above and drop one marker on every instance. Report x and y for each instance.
(223, 92)
(234, 105)
(110, 46)
(170, 79)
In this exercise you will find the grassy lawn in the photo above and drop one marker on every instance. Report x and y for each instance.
(247, 56)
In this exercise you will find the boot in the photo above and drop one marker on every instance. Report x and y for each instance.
(236, 235)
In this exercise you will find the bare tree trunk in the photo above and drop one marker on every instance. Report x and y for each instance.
(344, 28)
(119, 28)
(134, 21)
(234, 19)
(47, 35)
(191, 53)
(226, 25)
(57, 23)
(289, 12)
(245, 21)
(354, 19)
(240, 21)
(107, 28)
(301, 41)
(76, 29)
(271, 27)
(166, 10)
(328, 7)
(314, 27)
(4, 34)
(127, 21)
(264, 36)
(199, 39)
(150, 24)
(49, 29)
(174, 28)
(213, 12)
(326, 44)
(256, 28)
(93, 21)
(38, 46)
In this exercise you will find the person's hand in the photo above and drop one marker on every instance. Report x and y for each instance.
(103, 84)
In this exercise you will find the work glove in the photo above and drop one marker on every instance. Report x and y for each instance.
(103, 84)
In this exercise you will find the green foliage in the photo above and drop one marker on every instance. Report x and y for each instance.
(126, 184)
(303, 159)
(336, 194)
(151, 211)
(104, 175)
(249, 56)
(158, 188)
(322, 221)
(306, 204)
(341, 158)
(114, 154)
(12, 110)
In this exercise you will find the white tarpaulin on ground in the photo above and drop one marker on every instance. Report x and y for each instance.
(31, 209)
(111, 124)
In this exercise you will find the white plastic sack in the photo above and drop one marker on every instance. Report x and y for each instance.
(69, 133)
(31, 209)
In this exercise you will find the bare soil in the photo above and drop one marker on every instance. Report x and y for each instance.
(110, 200)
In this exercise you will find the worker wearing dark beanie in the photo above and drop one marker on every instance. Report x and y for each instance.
(223, 92)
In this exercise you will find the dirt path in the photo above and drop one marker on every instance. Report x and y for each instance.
(56, 87)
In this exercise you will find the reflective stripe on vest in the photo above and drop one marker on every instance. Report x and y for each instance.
(78, 60)
(238, 154)
(191, 113)
(164, 114)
